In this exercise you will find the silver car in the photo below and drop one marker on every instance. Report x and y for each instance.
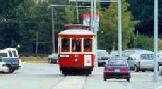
(144, 62)
(53, 58)
(102, 57)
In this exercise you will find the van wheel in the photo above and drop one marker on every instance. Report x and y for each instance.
(10, 69)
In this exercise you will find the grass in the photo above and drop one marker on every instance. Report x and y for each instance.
(32, 59)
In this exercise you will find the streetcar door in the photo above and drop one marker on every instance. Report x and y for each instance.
(88, 52)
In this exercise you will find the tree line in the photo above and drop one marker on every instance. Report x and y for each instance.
(22, 20)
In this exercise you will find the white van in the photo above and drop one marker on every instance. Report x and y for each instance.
(11, 58)
(14, 54)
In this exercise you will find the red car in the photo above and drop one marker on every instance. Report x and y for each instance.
(117, 68)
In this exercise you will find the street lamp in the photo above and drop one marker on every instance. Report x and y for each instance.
(120, 28)
(155, 76)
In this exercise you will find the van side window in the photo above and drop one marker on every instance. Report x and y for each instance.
(3, 54)
(10, 53)
(15, 54)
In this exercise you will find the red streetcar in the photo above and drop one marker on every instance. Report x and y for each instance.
(76, 49)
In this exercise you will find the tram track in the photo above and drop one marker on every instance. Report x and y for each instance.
(57, 83)
(67, 82)
(85, 82)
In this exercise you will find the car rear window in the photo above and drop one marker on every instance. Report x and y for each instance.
(117, 63)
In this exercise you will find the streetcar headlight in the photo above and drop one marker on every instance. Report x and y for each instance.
(64, 55)
(75, 60)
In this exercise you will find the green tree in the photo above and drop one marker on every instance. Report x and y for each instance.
(69, 14)
(109, 26)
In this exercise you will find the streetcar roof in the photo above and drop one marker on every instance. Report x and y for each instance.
(76, 32)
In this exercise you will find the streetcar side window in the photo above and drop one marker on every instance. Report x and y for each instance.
(65, 46)
(76, 45)
(87, 45)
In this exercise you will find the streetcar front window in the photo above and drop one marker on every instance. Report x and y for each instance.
(65, 47)
(87, 45)
(76, 45)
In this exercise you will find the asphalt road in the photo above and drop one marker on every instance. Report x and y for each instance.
(47, 76)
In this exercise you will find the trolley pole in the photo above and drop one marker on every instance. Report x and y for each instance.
(120, 28)
(155, 76)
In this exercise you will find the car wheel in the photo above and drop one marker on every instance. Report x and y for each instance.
(136, 69)
(143, 70)
(128, 79)
(98, 65)
(104, 79)
(49, 60)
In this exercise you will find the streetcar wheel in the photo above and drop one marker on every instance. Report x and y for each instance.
(87, 72)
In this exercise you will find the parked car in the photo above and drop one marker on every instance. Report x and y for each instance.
(102, 57)
(11, 58)
(160, 70)
(144, 61)
(132, 56)
(53, 58)
(160, 58)
(114, 53)
(117, 68)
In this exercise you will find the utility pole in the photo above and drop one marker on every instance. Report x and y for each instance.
(77, 11)
(120, 28)
(36, 46)
(94, 21)
(92, 18)
(53, 31)
(155, 76)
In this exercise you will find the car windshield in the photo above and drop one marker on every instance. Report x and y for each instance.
(117, 62)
